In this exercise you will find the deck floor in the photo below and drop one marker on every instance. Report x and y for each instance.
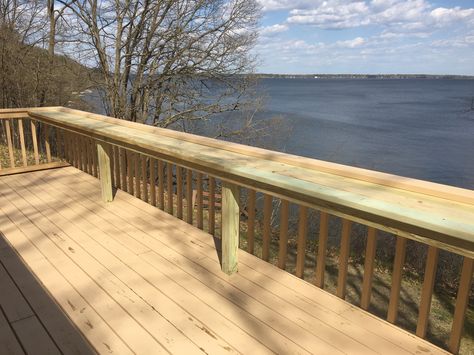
(77, 274)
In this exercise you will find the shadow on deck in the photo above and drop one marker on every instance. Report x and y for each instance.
(126, 277)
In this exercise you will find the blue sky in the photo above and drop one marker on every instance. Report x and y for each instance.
(372, 36)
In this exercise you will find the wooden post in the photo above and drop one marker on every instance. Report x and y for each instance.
(105, 171)
(230, 227)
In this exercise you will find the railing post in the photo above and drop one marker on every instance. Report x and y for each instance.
(103, 154)
(230, 227)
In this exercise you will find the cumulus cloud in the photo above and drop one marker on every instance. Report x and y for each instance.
(273, 29)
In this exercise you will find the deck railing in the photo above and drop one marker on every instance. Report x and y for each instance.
(175, 171)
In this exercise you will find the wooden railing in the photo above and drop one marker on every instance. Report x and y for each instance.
(262, 192)
(27, 144)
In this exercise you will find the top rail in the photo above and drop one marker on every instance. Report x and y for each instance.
(434, 214)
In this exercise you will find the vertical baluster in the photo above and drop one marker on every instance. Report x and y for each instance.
(189, 196)
(10, 143)
(368, 268)
(169, 185)
(118, 182)
(267, 215)
(22, 142)
(152, 182)
(283, 243)
(130, 166)
(400, 252)
(301, 247)
(94, 158)
(322, 249)
(47, 131)
(123, 169)
(344, 258)
(136, 169)
(212, 205)
(200, 216)
(161, 183)
(462, 301)
(427, 291)
(35, 142)
(179, 192)
(144, 178)
(58, 143)
(251, 221)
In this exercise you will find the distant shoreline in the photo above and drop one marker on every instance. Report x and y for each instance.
(363, 76)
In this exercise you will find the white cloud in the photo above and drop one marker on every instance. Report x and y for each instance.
(352, 43)
(270, 30)
(443, 15)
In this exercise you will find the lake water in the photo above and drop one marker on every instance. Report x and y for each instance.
(417, 128)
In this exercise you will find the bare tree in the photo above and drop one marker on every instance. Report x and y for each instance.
(168, 61)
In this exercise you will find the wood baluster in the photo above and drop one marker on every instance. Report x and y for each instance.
(130, 173)
(123, 169)
(427, 291)
(301, 246)
(462, 300)
(118, 180)
(200, 216)
(212, 205)
(11, 154)
(22, 142)
(400, 253)
(368, 268)
(35, 141)
(344, 258)
(189, 196)
(283, 242)
(161, 183)
(251, 221)
(169, 185)
(144, 178)
(47, 144)
(179, 192)
(153, 182)
(94, 159)
(267, 215)
(322, 249)
(136, 169)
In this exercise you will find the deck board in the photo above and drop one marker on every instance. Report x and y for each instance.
(149, 281)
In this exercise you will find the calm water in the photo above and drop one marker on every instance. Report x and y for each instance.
(416, 128)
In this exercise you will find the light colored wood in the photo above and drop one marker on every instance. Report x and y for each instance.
(375, 177)
(105, 169)
(290, 294)
(389, 208)
(47, 134)
(153, 182)
(95, 169)
(130, 173)
(169, 186)
(144, 194)
(179, 192)
(123, 169)
(302, 235)
(427, 291)
(88, 157)
(368, 268)
(322, 249)
(230, 227)
(118, 180)
(212, 206)
(283, 242)
(11, 153)
(462, 301)
(251, 221)
(344, 258)
(31, 168)
(59, 143)
(400, 252)
(189, 196)
(161, 185)
(199, 214)
(22, 142)
(267, 228)
(137, 177)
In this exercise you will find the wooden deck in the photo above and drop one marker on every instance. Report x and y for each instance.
(129, 278)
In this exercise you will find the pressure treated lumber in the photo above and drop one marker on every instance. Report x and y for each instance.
(230, 227)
